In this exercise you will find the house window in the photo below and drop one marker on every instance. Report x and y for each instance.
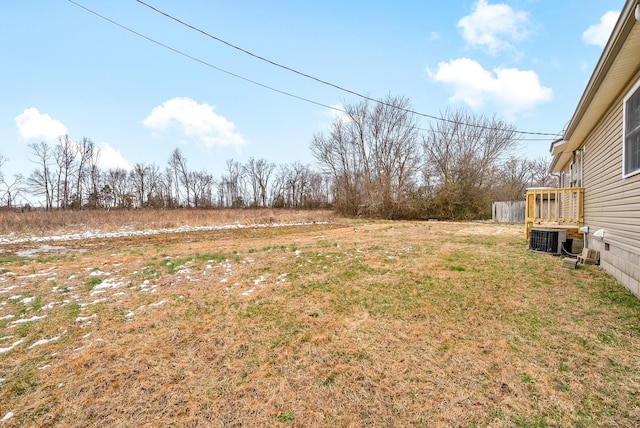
(631, 130)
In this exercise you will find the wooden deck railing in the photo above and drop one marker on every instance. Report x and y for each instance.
(554, 207)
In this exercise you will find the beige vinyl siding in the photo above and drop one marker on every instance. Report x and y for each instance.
(611, 202)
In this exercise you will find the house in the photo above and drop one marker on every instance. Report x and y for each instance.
(598, 159)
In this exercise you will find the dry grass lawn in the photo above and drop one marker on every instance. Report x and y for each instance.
(349, 323)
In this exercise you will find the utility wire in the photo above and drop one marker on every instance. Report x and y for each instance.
(261, 58)
(207, 64)
(202, 61)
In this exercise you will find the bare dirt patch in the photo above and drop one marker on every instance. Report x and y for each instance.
(343, 323)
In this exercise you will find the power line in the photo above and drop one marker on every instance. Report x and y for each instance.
(186, 55)
(207, 64)
(276, 64)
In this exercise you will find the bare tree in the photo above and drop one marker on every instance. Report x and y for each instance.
(541, 173)
(372, 155)
(463, 152)
(298, 183)
(9, 191)
(279, 185)
(139, 176)
(87, 172)
(65, 157)
(178, 166)
(258, 174)
(339, 158)
(318, 190)
(201, 188)
(513, 178)
(169, 189)
(145, 183)
(94, 176)
(40, 180)
(116, 179)
(232, 185)
(154, 196)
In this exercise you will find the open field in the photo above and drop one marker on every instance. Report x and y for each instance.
(338, 323)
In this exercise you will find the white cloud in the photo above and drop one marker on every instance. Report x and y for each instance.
(510, 89)
(493, 26)
(194, 120)
(598, 34)
(111, 157)
(35, 125)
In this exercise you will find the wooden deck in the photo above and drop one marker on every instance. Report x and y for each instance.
(555, 208)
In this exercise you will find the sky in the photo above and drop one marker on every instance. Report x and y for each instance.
(140, 84)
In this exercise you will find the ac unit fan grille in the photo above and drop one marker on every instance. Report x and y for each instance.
(545, 241)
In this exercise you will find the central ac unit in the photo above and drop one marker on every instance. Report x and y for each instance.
(547, 240)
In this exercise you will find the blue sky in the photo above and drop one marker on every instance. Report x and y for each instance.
(68, 71)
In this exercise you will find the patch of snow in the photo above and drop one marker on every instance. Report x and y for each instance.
(41, 249)
(36, 275)
(44, 341)
(26, 320)
(4, 290)
(128, 233)
(6, 317)
(49, 306)
(6, 417)
(27, 300)
(95, 302)
(13, 345)
(130, 314)
(107, 283)
(81, 319)
(161, 302)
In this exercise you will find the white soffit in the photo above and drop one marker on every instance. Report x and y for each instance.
(619, 62)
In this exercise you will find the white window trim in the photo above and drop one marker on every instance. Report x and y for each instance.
(636, 87)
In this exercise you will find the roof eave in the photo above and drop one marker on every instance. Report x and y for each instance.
(578, 129)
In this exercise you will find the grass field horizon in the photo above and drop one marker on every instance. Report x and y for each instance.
(328, 322)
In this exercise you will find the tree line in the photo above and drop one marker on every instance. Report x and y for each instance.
(382, 164)
(67, 176)
(374, 161)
